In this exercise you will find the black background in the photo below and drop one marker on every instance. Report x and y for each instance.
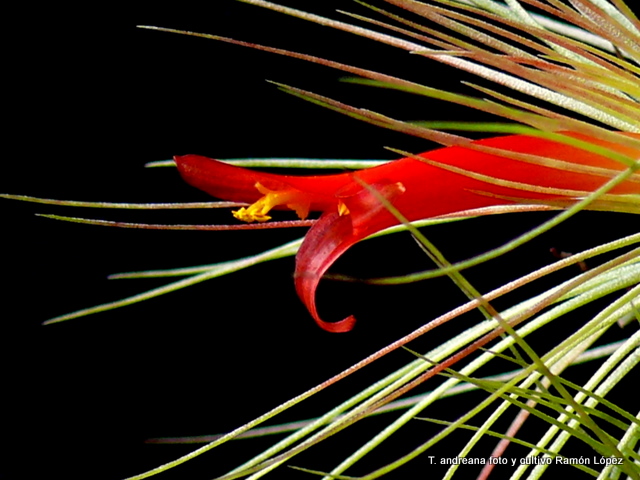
(91, 100)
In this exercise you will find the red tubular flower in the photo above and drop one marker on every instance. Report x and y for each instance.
(450, 180)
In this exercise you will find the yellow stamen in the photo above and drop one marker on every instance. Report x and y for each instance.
(258, 211)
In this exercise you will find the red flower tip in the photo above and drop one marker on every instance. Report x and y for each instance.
(451, 180)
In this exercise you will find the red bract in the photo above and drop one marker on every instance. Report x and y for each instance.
(449, 180)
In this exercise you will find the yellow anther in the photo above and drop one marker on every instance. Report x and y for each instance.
(342, 209)
(258, 211)
(253, 213)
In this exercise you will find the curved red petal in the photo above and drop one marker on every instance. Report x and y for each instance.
(332, 235)
(329, 238)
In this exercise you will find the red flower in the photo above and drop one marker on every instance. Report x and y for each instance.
(450, 180)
